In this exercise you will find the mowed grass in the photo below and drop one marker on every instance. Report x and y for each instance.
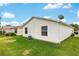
(21, 46)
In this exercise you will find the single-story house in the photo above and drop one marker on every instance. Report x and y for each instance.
(8, 29)
(45, 29)
(19, 30)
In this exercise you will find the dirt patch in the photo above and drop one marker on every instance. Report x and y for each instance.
(9, 41)
(6, 38)
(26, 52)
(77, 35)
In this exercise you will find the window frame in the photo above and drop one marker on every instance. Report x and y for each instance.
(44, 30)
(15, 30)
(26, 30)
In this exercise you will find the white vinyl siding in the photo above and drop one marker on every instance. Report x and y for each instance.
(55, 32)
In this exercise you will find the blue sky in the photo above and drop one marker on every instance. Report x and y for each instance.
(17, 13)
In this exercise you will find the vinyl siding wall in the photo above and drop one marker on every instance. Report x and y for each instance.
(19, 31)
(56, 32)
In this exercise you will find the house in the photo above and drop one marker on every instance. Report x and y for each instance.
(45, 29)
(8, 29)
(19, 30)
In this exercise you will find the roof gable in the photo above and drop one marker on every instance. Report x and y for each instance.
(40, 18)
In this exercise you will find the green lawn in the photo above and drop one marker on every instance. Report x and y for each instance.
(20, 46)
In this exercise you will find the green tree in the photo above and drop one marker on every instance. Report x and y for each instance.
(60, 17)
(75, 26)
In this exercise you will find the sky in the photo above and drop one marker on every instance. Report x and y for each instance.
(18, 13)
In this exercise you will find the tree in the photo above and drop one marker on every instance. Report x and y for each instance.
(60, 17)
(75, 26)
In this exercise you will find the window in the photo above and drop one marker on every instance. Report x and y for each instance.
(26, 30)
(44, 30)
(15, 30)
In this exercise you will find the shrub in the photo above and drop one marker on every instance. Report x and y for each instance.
(76, 33)
(10, 34)
(7, 34)
(72, 35)
(0, 32)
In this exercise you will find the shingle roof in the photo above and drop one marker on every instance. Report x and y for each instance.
(40, 18)
(18, 26)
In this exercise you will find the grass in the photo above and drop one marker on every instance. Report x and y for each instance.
(21, 46)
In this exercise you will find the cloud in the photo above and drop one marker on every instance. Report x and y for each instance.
(56, 5)
(5, 23)
(7, 15)
(67, 6)
(13, 23)
(52, 6)
(78, 14)
(3, 4)
(46, 17)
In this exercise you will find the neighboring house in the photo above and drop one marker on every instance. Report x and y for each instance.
(8, 29)
(45, 29)
(19, 30)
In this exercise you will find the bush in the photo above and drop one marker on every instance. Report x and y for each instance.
(7, 34)
(10, 34)
(0, 32)
(72, 35)
(76, 33)
(13, 34)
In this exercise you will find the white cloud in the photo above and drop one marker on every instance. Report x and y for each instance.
(5, 23)
(52, 6)
(13, 23)
(78, 14)
(56, 5)
(3, 4)
(46, 17)
(77, 22)
(7, 15)
(67, 6)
